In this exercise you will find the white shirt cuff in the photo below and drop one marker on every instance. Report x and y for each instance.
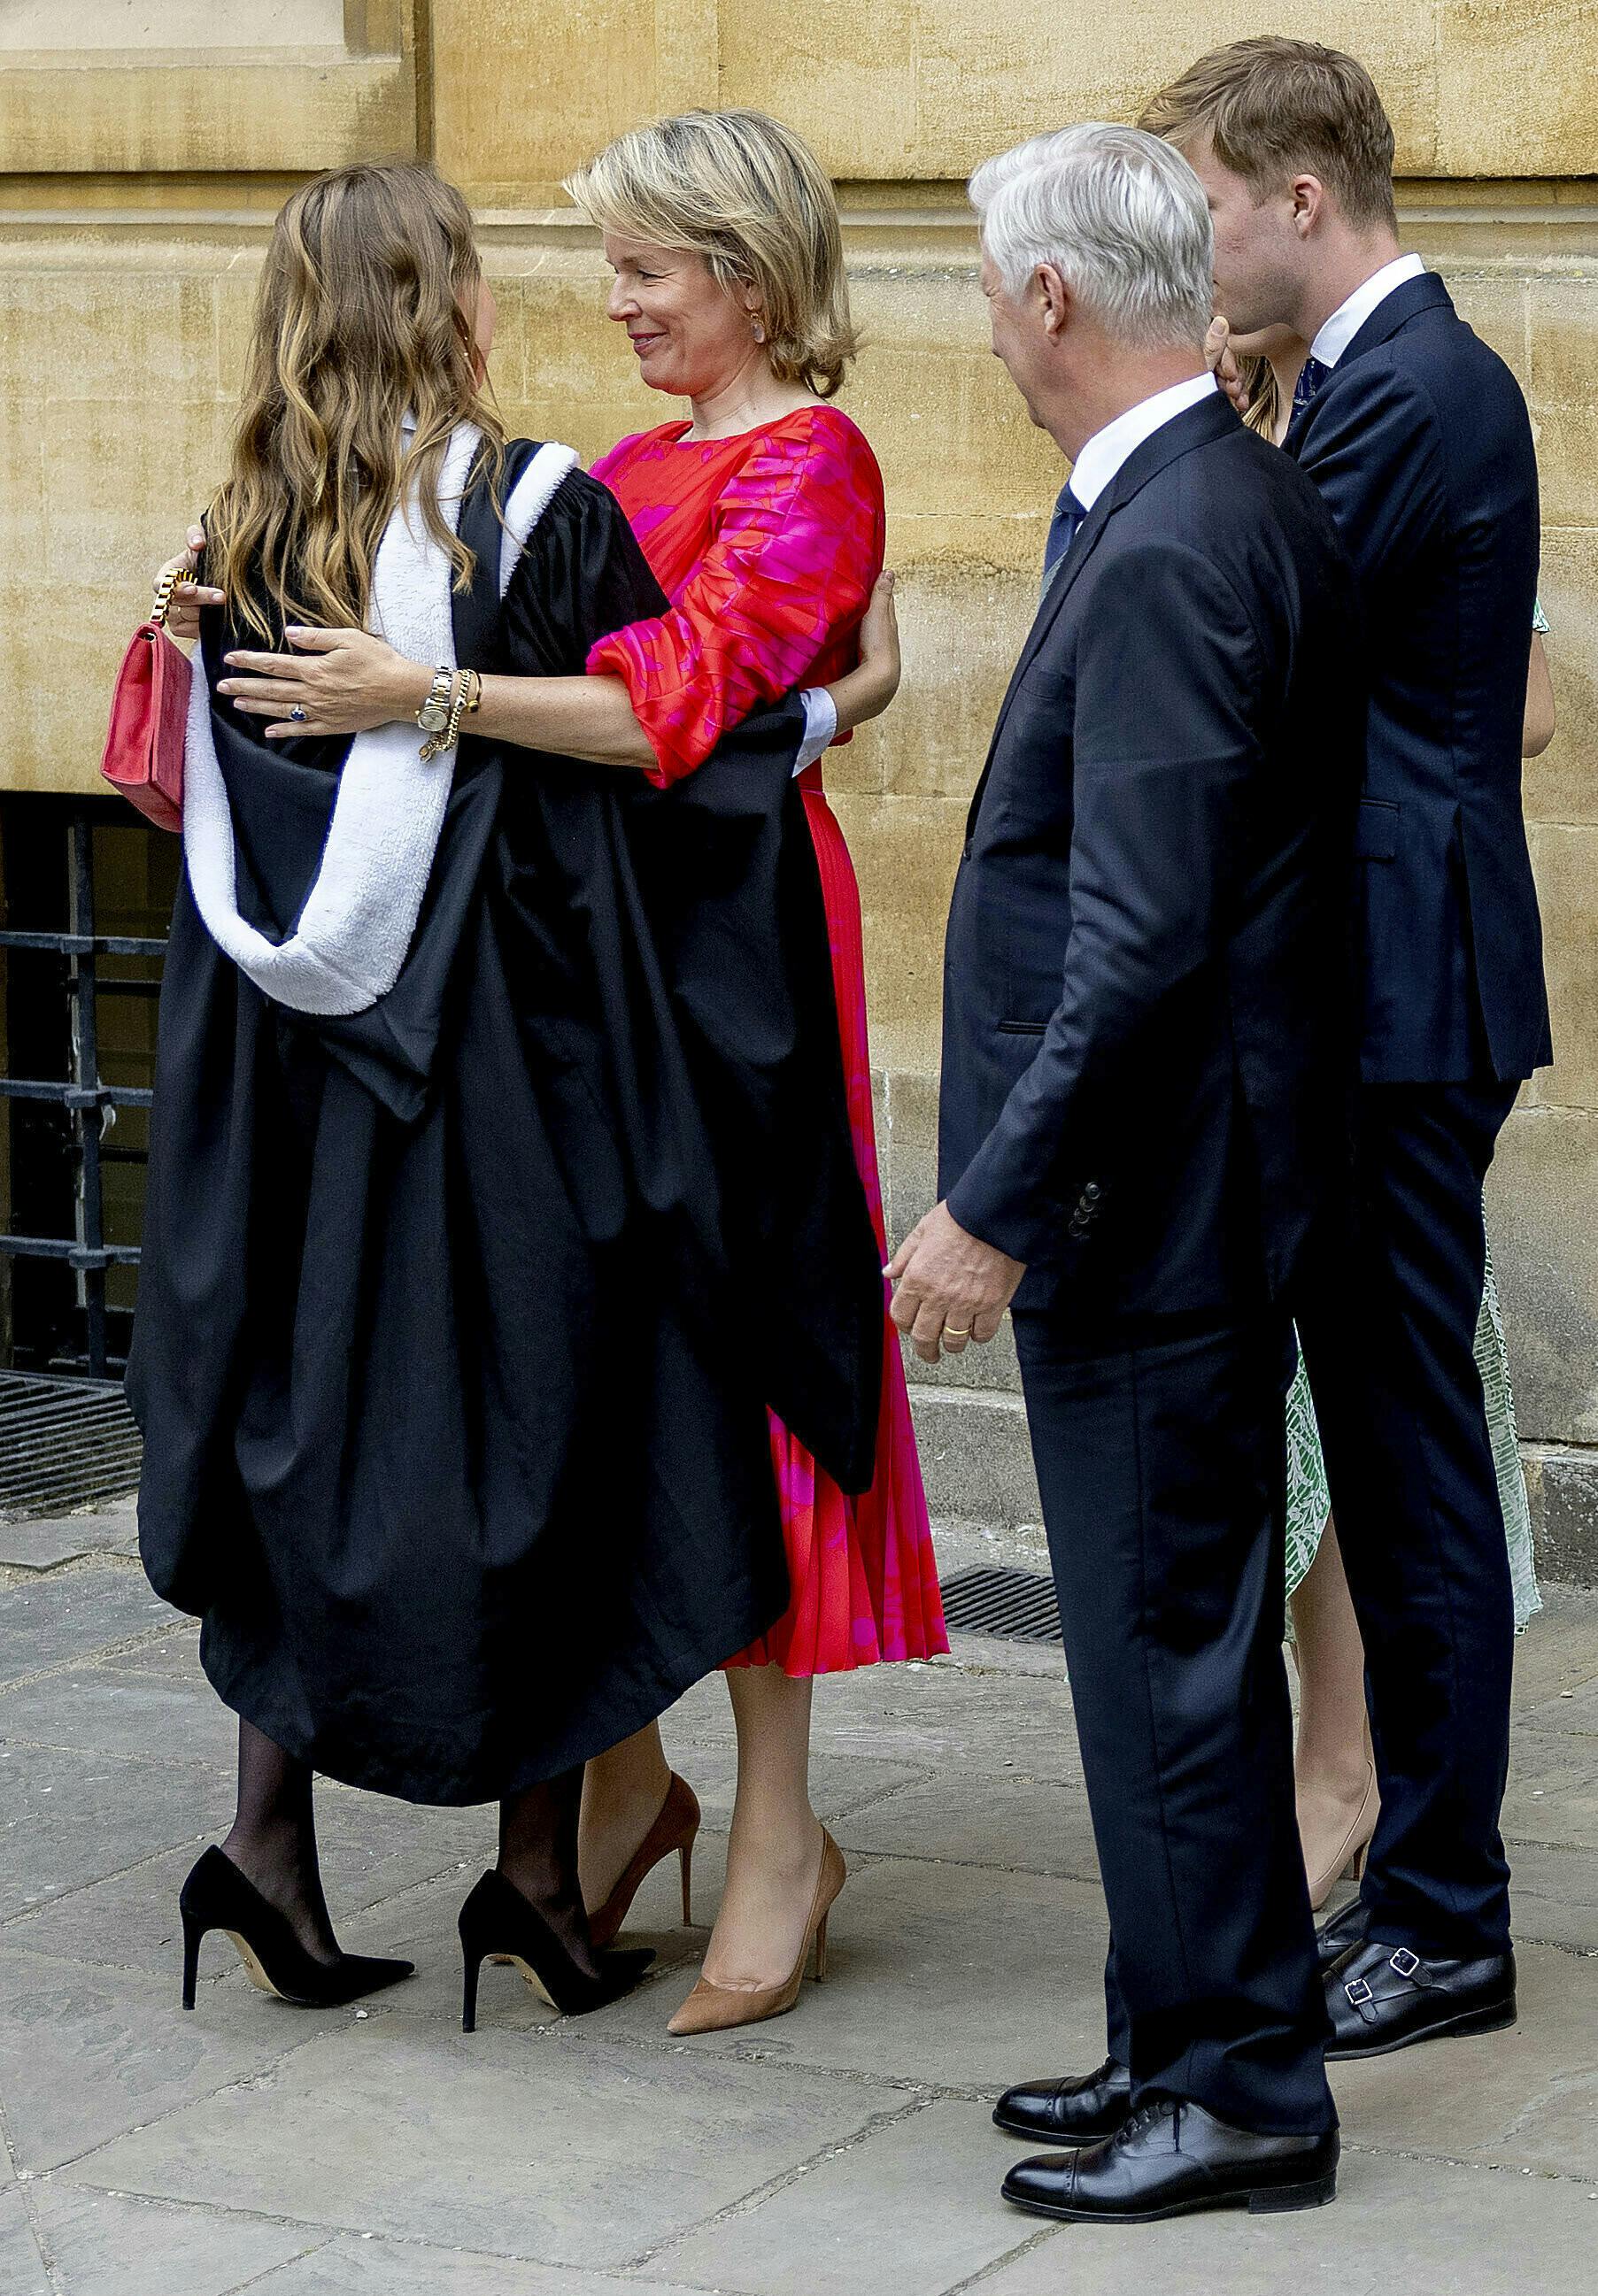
(821, 724)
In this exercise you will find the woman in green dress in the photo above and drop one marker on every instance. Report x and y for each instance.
(1334, 1768)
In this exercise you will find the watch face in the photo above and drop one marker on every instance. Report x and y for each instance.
(432, 717)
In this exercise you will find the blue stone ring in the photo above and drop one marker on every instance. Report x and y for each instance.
(297, 714)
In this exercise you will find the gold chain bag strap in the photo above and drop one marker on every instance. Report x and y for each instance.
(149, 710)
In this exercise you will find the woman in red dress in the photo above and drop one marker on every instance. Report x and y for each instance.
(761, 514)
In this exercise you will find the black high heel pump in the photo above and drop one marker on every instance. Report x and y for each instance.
(217, 1897)
(498, 1923)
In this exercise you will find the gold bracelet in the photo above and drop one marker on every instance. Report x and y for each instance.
(446, 739)
(474, 696)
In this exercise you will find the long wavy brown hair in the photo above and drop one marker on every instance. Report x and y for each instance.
(1263, 411)
(365, 317)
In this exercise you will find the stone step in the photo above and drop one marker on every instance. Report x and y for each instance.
(978, 1467)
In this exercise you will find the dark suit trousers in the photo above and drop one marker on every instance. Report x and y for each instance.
(1387, 1322)
(1162, 1471)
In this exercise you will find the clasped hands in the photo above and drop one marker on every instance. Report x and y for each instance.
(950, 1287)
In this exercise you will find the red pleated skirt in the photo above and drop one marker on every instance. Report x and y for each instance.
(864, 1583)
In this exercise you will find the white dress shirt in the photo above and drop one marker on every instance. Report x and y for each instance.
(1346, 321)
(821, 724)
(1105, 451)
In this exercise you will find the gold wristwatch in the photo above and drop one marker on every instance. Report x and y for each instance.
(433, 715)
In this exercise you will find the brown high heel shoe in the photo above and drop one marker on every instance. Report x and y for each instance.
(677, 1828)
(1348, 1862)
(714, 2008)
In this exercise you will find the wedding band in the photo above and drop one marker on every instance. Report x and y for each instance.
(298, 715)
(954, 1332)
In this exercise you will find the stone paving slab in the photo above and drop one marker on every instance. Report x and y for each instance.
(1021, 1825)
(911, 2205)
(1553, 1793)
(107, 2244)
(1573, 1711)
(1559, 1649)
(70, 1615)
(363, 2265)
(22, 2267)
(175, 1655)
(85, 2055)
(527, 2144)
(71, 1819)
(1555, 1897)
(1424, 2228)
(110, 1709)
(46, 1540)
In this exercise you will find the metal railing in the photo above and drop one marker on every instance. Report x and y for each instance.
(82, 1094)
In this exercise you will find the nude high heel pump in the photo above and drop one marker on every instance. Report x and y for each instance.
(714, 2008)
(677, 1828)
(1348, 1861)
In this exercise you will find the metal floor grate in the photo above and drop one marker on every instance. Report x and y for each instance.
(1017, 1605)
(63, 1444)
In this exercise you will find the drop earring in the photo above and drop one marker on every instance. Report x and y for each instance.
(757, 332)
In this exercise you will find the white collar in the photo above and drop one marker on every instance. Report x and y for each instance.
(354, 931)
(1349, 317)
(1105, 451)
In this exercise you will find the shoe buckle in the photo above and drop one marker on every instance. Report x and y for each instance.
(1405, 1962)
(1358, 1993)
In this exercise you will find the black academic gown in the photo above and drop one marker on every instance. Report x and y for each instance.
(459, 1318)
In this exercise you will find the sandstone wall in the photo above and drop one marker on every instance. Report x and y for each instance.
(137, 184)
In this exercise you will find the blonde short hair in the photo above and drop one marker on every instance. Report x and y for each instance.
(750, 197)
(1272, 107)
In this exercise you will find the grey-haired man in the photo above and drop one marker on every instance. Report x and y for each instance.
(1145, 1053)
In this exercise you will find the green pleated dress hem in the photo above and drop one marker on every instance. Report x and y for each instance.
(1309, 1500)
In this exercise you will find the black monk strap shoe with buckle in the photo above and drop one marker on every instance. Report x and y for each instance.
(1171, 2158)
(1341, 1934)
(1083, 2109)
(1384, 1997)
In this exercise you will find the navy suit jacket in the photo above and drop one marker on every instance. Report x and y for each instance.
(1420, 448)
(1147, 1003)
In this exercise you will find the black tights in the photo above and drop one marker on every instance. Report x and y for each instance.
(273, 1837)
(273, 1845)
(538, 1854)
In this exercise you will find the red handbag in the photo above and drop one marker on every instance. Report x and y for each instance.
(149, 713)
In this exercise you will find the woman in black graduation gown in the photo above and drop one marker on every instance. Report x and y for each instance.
(492, 1094)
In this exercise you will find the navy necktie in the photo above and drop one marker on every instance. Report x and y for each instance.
(1063, 530)
(1312, 374)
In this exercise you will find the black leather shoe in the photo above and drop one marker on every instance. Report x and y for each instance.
(1340, 1934)
(1384, 1997)
(1171, 2159)
(1082, 2109)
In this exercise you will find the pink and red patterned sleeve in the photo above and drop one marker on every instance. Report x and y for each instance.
(794, 549)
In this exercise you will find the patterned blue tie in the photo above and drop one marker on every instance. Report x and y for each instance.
(1063, 530)
(1312, 374)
